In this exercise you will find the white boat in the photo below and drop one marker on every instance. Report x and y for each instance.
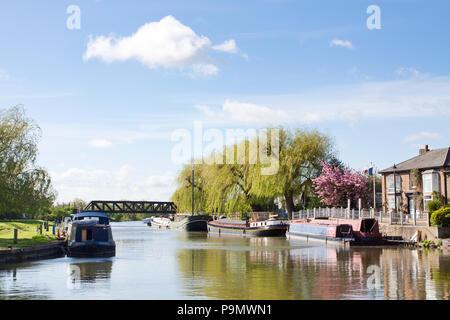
(160, 223)
(148, 221)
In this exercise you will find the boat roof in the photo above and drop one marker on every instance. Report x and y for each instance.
(93, 214)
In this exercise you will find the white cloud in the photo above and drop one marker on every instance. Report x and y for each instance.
(419, 97)
(245, 112)
(227, 46)
(205, 69)
(422, 136)
(206, 110)
(100, 143)
(123, 173)
(4, 76)
(408, 72)
(253, 113)
(341, 43)
(119, 184)
(166, 43)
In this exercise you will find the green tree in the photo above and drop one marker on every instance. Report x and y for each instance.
(234, 182)
(182, 196)
(300, 153)
(26, 187)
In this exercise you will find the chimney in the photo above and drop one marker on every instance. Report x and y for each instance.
(423, 151)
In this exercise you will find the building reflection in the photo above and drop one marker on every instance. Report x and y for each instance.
(268, 269)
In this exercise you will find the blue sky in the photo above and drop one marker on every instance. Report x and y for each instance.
(108, 97)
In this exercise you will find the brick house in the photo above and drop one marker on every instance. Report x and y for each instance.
(416, 179)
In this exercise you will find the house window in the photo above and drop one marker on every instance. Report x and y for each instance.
(426, 199)
(390, 183)
(430, 181)
(391, 203)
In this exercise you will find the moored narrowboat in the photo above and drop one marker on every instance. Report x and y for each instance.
(91, 236)
(190, 223)
(363, 231)
(259, 225)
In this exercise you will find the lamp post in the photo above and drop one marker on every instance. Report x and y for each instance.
(374, 189)
(192, 212)
(395, 189)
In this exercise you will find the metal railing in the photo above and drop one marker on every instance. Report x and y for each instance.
(394, 218)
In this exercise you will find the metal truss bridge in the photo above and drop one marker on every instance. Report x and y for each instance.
(149, 207)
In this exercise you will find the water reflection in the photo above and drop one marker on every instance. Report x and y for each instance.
(162, 264)
(11, 286)
(91, 271)
(274, 268)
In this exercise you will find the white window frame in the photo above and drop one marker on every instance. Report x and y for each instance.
(431, 182)
(391, 204)
(390, 183)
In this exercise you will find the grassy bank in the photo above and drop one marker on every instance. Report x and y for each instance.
(27, 235)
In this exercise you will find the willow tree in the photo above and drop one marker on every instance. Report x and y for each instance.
(182, 196)
(300, 153)
(26, 187)
(229, 183)
(222, 184)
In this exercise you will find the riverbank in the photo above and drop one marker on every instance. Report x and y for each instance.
(54, 249)
(27, 235)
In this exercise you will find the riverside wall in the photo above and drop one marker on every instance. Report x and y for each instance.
(50, 250)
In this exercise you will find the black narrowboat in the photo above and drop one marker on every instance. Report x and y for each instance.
(91, 236)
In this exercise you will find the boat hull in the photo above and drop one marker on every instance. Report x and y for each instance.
(194, 226)
(262, 231)
(319, 238)
(89, 250)
(191, 223)
(328, 231)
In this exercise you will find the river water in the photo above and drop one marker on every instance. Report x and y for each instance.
(162, 264)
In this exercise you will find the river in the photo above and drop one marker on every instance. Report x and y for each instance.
(163, 264)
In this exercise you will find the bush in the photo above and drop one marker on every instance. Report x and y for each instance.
(441, 217)
(434, 205)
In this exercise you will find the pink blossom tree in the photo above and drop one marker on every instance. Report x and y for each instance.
(335, 185)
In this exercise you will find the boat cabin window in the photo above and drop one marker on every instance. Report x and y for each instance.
(344, 230)
(367, 225)
(86, 235)
(96, 219)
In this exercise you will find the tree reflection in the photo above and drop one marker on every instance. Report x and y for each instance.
(257, 268)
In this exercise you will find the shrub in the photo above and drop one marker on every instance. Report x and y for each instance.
(427, 243)
(434, 205)
(441, 217)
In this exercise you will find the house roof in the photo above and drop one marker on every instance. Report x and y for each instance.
(437, 158)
